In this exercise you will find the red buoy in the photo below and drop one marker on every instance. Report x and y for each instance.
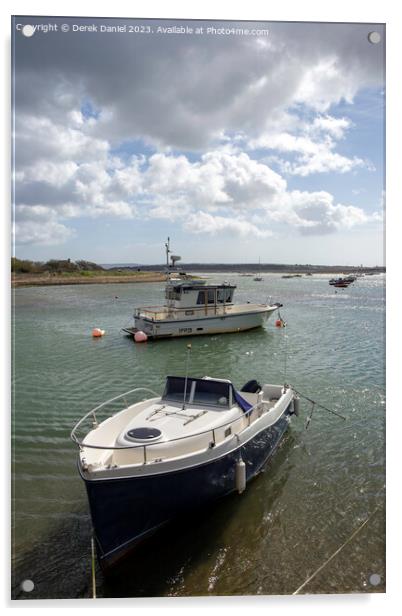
(140, 336)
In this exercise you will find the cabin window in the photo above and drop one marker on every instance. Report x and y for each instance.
(224, 295)
(211, 296)
(173, 293)
(201, 297)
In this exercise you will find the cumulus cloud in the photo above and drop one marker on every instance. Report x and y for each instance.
(202, 222)
(49, 234)
(39, 225)
(315, 213)
(221, 192)
(201, 122)
(336, 127)
(323, 161)
(184, 92)
(313, 147)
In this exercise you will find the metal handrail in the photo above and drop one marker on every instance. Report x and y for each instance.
(247, 414)
(216, 309)
(165, 309)
(97, 408)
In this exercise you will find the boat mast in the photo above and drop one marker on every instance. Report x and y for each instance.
(167, 246)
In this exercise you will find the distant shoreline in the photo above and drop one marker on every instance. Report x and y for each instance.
(271, 268)
(128, 275)
(46, 280)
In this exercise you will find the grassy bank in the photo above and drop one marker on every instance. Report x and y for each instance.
(84, 277)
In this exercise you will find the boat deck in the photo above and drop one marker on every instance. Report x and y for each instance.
(106, 448)
(130, 331)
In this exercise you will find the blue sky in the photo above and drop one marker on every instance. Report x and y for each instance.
(239, 147)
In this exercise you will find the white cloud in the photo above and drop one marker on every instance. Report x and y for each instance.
(336, 127)
(193, 108)
(313, 147)
(50, 234)
(323, 162)
(185, 93)
(221, 192)
(39, 138)
(202, 222)
(316, 213)
(39, 225)
(49, 172)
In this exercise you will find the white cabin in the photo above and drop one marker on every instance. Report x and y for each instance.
(198, 294)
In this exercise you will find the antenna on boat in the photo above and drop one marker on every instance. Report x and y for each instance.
(186, 378)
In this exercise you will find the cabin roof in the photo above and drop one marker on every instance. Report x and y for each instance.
(203, 379)
(202, 287)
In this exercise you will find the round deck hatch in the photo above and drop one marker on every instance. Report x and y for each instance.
(144, 435)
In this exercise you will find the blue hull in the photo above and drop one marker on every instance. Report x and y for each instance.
(125, 511)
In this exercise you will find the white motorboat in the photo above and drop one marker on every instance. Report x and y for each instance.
(163, 456)
(194, 307)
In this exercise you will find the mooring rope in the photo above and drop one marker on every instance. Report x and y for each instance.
(314, 403)
(286, 354)
(93, 568)
(321, 567)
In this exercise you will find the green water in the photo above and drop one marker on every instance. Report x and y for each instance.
(322, 484)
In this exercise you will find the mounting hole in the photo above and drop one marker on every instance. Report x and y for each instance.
(28, 30)
(374, 579)
(27, 585)
(374, 37)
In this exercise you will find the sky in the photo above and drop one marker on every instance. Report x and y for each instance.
(241, 146)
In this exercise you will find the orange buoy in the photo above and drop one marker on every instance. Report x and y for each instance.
(97, 333)
(140, 336)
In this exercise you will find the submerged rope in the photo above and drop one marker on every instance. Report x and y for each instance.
(355, 532)
(93, 568)
(310, 416)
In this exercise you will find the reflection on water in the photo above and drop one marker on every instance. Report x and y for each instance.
(322, 484)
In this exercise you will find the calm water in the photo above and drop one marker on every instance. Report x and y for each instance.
(322, 484)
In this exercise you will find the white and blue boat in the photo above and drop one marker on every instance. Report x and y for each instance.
(154, 459)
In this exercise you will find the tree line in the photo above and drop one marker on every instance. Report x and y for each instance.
(56, 266)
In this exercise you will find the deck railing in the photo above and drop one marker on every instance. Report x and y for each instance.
(155, 313)
(93, 412)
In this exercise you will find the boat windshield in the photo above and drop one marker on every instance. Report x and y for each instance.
(198, 391)
(174, 389)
